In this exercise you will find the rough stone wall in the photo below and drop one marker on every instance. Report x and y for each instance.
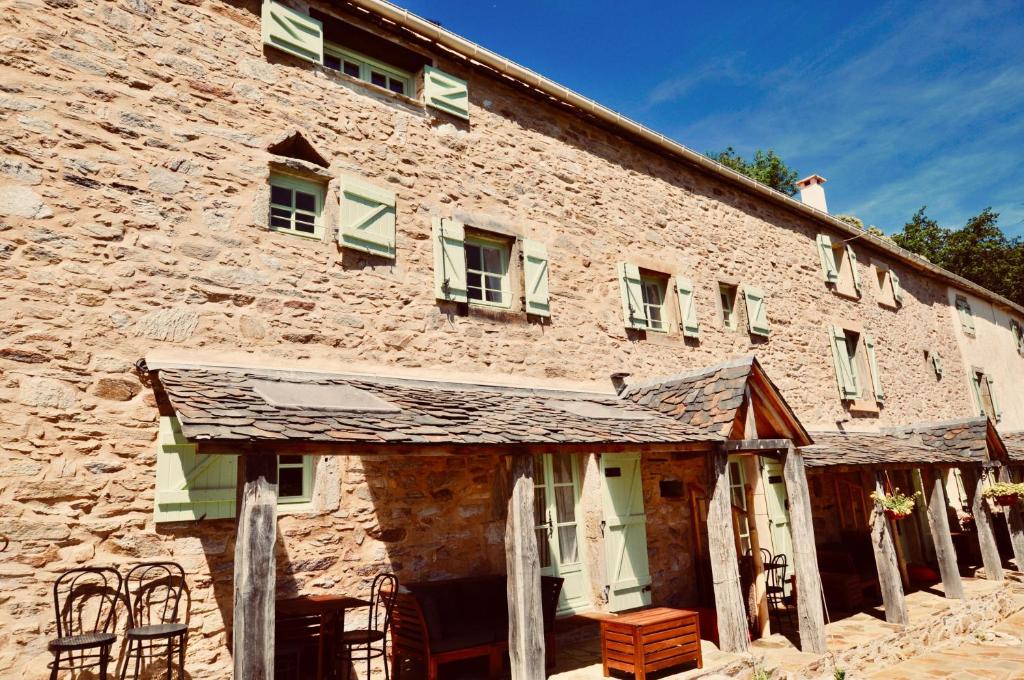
(133, 180)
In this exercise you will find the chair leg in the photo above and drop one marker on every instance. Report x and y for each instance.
(56, 665)
(104, 660)
(181, 657)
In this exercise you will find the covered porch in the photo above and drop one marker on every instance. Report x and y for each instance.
(510, 439)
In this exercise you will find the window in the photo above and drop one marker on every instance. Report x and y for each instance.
(294, 479)
(738, 495)
(653, 291)
(727, 297)
(886, 288)
(839, 265)
(296, 205)
(984, 395)
(362, 67)
(856, 366)
(963, 308)
(487, 262)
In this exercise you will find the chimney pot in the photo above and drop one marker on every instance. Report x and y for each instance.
(812, 193)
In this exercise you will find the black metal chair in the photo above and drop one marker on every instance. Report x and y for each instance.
(357, 645)
(85, 601)
(776, 588)
(158, 615)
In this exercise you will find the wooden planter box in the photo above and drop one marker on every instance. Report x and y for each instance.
(893, 515)
(650, 640)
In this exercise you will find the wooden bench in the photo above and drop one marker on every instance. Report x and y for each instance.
(650, 640)
(440, 622)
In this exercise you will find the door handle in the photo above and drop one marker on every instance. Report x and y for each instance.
(551, 526)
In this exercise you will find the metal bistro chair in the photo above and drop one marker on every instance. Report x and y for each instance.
(363, 644)
(85, 601)
(158, 615)
(776, 589)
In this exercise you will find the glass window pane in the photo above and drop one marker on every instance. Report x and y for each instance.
(289, 460)
(473, 257)
(282, 219)
(565, 504)
(396, 86)
(378, 79)
(492, 260)
(561, 469)
(567, 544)
(493, 283)
(538, 469)
(540, 506)
(332, 62)
(280, 195)
(351, 69)
(289, 481)
(543, 551)
(304, 223)
(493, 296)
(304, 201)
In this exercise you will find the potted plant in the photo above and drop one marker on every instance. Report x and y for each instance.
(1004, 493)
(896, 505)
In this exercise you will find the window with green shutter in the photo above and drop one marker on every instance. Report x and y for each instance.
(842, 360)
(487, 277)
(984, 395)
(727, 294)
(296, 205)
(828, 260)
(757, 311)
(855, 361)
(292, 32)
(687, 307)
(356, 65)
(190, 486)
(963, 308)
(535, 275)
(876, 376)
(445, 92)
(367, 217)
(295, 478)
(449, 236)
(631, 293)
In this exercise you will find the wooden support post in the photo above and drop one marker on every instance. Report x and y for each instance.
(522, 563)
(255, 568)
(810, 611)
(934, 483)
(733, 634)
(983, 527)
(882, 542)
(1014, 522)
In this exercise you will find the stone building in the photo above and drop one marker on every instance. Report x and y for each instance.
(343, 197)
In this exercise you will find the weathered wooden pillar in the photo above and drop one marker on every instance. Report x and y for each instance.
(255, 568)
(983, 527)
(810, 611)
(1014, 522)
(883, 544)
(733, 634)
(525, 616)
(934, 483)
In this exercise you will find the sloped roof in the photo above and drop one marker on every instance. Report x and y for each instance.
(873, 448)
(1014, 442)
(238, 405)
(713, 398)
(974, 438)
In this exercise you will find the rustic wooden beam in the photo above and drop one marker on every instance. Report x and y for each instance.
(1014, 522)
(738, 445)
(255, 569)
(810, 612)
(934, 483)
(725, 569)
(522, 563)
(983, 527)
(886, 561)
(356, 448)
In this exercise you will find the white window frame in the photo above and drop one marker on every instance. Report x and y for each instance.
(367, 65)
(293, 184)
(728, 292)
(303, 502)
(504, 249)
(660, 285)
(738, 492)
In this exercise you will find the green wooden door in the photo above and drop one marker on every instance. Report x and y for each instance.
(556, 504)
(777, 499)
(625, 532)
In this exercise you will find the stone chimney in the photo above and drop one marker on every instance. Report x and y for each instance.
(812, 192)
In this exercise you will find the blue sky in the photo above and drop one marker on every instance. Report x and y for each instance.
(898, 104)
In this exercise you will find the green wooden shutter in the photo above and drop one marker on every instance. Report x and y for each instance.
(631, 290)
(757, 310)
(445, 92)
(1018, 335)
(876, 377)
(687, 307)
(625, 522)
(976, 392)
(851, 256)
(190, 486)
(998, 415)
(897, 290)
(828, 258)
(449, 259)
(367, 217)
(535, 272)
(292, 32)
(846, 379)
(963, 307)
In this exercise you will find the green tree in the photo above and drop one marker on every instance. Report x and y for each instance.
(924, 236)
(765, 167)
(852, 220)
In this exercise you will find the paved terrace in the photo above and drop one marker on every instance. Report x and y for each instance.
(988, 623)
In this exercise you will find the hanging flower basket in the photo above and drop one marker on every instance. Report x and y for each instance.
(1004, 494)
(896, 505)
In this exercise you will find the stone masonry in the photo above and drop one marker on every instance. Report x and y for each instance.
(133, 191)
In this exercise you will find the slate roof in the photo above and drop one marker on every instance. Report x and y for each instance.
(707, 398)
(968, 437)
(227, 404)
(872, 448)
(1014, 445)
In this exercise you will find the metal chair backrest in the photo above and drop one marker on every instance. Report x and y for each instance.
(157, 593)
(779, 573)
(766, 556)
(383, 593)
(85, 600)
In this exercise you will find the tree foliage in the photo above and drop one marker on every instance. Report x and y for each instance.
(765, 167)
(979, 251)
